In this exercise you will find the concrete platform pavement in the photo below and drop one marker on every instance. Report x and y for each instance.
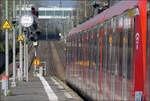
(42, 89)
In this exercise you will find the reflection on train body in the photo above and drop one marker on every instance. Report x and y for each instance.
(100, 61)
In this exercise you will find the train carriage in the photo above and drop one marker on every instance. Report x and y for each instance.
(108, 55)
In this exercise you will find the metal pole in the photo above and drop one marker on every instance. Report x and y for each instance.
(46, 31)
(24, 56)
(24, 73)
(85, 10)
(14, 46)
(20, 44)
(35, 56)
(24, 6)
(6, 42)
(6, 50)
(26, 47)
(77, 16)
(27, 77)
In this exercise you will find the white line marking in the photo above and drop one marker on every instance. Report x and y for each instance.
(56, 83)
(60, 87)
(67, 95)
(51, 95)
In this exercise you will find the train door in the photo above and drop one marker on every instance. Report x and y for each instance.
(124, 59)
(128, 53)
(118, 70)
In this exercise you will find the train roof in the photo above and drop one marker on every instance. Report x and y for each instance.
(107, 14)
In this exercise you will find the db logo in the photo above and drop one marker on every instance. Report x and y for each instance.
(137, 37)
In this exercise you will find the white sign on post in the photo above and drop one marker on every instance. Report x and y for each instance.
(35, 43)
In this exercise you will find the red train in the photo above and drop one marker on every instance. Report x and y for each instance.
(108, 56)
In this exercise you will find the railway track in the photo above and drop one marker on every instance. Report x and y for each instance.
(52, 68)
(45, 54)
(48, 52)
(60, 46)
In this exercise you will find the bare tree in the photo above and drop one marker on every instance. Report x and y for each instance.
(84, 9)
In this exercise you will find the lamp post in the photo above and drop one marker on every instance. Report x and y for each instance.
(6, 51)
(20, 45)
(14, 45)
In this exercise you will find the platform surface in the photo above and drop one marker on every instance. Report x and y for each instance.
(42, 89)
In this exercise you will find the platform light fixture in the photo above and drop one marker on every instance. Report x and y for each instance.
(26, 20)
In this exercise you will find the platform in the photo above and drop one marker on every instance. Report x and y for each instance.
(41, 88)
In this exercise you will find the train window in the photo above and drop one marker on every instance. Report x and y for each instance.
(118, 43)
(99, 48)
(77, 57)
(104, 49)
(95, 59)
(88, 59)
(84, 56)
(71, 48)
(105, 61)
(127, 55)
(110, 40)
(95, 50)
(90, 49)
(80, 57)
(72, 60)
(87, 52)
(114, 48)
(71, 52)
(120, 32)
